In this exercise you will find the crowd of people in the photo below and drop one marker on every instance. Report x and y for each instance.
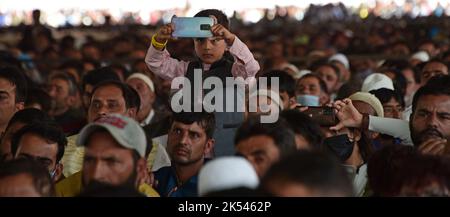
(363, 110)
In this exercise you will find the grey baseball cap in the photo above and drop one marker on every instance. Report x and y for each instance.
(124, 130)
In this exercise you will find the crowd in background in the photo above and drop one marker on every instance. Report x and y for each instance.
(86, 110)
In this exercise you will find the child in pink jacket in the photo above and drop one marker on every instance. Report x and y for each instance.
(222, 55)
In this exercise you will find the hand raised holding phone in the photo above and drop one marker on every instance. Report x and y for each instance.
(165, 33)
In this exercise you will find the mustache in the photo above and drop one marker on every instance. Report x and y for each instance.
(183, 147)
(431, 131)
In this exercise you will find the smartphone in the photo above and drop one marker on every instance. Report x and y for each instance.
(325, 116)
(192, 27)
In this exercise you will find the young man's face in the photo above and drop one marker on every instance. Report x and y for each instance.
(329, 76)
(106, 100)
(432, 69)
(308, 86)
(8, 104)
(393, 109)
(106, 161)
(210, 50)
(188, 143)
(431, 119)
(40, 149)
(260, 151)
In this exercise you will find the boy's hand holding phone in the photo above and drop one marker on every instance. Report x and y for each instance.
(220, 31)
(192, 27)
(163, 35)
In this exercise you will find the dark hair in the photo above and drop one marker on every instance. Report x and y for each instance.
(135, 101)
(439, 85)
(17, 78)
(76, 64)
(322, 84)
(95, 63)
(384, 95)
(286, 81)
(332, 66)
(99, 75)
(279, 131)
(124, 71)
(204, 119)
(347, 89)
(316, 170)
(421, 171)
(127, 92)
(302, 124)
(422, 65)
(28, 116)
(39, 96)
(48, 131)
(383, 169)
(220, 16)
(73, 88)
(40, 176)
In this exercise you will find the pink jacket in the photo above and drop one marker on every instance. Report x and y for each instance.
(160, 62)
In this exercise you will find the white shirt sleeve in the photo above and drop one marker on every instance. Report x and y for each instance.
(393, 127)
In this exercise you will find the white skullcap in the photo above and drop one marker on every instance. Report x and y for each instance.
(340, 58)
(377, 81)
(370, 99)
(301, 73)
(226, 173)
(421, 55)
(144, 78)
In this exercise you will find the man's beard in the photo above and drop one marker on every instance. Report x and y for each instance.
(429, 133)
(130, 182)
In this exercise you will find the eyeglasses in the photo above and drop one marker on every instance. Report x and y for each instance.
(391, 109)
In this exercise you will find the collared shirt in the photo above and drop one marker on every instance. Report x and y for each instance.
(169, 186)
(160, 62)
(148, 119)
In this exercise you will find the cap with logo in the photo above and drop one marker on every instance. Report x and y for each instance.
(124, 130)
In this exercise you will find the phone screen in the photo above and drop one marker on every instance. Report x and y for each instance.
(192, 27)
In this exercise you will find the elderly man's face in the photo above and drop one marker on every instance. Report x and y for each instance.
(431, 119)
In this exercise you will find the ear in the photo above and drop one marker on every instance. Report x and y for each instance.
(209, 147)
(324, 99)
(131, 112)
(20, 106)
(71, 100)
(292, 102)
(152, 97)
(141, 172)
(58, 172)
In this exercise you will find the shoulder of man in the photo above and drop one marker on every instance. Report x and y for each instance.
(70, 186)
(148, 190)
